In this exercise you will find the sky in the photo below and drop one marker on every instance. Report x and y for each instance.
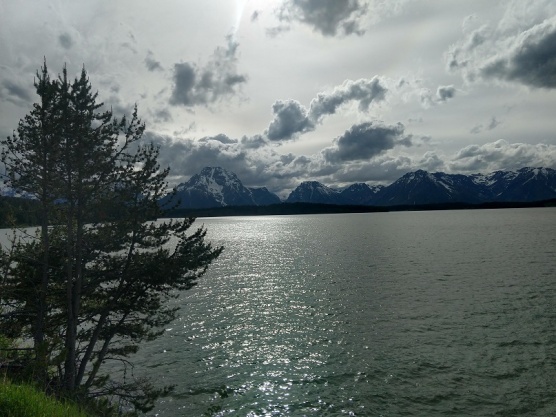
(285, 91)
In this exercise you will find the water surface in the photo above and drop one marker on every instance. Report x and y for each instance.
(381, 314)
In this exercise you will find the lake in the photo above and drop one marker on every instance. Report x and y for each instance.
(384, 314)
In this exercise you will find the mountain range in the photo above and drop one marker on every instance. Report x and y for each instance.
(216, 187)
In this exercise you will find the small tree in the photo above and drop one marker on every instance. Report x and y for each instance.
(94, 282)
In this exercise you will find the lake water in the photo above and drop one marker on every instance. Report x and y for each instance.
(383, 314)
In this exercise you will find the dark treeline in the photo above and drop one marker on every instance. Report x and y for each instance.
(312, 208)
(24, 212)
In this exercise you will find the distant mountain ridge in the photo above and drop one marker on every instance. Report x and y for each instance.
(216, 187)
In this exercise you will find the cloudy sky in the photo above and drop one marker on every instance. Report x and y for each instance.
(282, 91)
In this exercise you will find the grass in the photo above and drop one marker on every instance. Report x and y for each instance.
(25, 401)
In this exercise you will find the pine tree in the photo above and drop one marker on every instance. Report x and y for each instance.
(30, 167)
(94, 283)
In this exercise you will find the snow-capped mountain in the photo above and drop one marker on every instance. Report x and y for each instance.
(421, 187)
(527, 184)
(216, 187)
(314, 192)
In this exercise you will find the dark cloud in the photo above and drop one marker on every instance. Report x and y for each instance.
(290, 119)
(363, 90)
(184, 82)
(530, 61)
(255, 15)
(444, 93)
(195, 85)
(335, 17)
(151, 63)
(329, 17)
(65, 40)
(524, 55)
(365, 141)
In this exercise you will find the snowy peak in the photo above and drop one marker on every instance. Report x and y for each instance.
(221, 177)
(213, 180)
(216, 187)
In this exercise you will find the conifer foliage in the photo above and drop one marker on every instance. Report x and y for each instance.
(94, 282)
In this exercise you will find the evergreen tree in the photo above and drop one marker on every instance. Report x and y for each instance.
(30, 167)
(94, 282)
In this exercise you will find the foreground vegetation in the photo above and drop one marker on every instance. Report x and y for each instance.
(18, 400)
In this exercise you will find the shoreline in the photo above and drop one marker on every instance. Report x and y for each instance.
(316, 208)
